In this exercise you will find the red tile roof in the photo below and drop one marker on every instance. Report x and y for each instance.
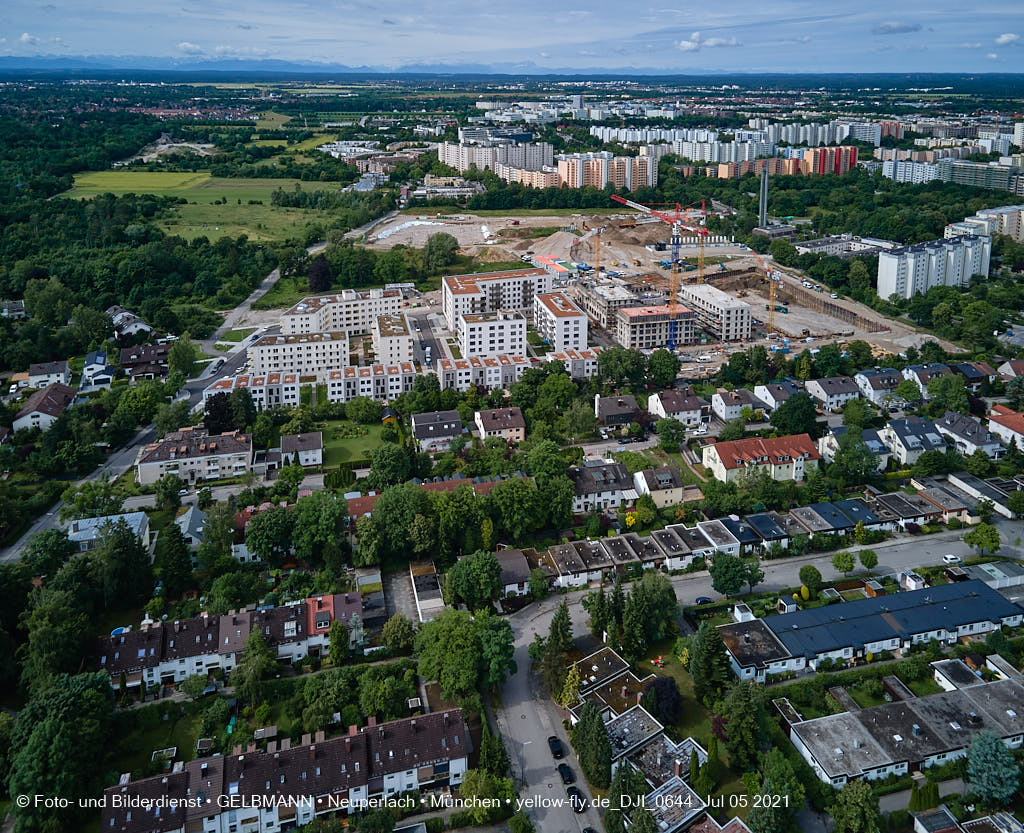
(1008, 418)
(736, 454)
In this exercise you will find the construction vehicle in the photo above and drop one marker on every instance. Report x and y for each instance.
(665, 264)
(636, 262)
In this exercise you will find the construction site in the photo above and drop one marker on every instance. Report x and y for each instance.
(647, 251)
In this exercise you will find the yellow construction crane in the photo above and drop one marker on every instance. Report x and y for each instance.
(773, 286)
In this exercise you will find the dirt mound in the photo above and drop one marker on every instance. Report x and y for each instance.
(555, 245)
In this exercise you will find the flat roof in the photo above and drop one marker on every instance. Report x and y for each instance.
(753, 643)
(841, 744)
(630, 729)
(393, 325)
(560, 305)
(598, 668)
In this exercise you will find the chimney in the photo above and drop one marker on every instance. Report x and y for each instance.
(312, 752)
(371, 721)
(353, 730)
(623, 695)
(319, 736)
(678, 768)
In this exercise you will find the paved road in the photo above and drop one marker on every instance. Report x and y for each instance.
(526, 717)
(425, 335)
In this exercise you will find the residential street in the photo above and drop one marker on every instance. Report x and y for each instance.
(526, 717)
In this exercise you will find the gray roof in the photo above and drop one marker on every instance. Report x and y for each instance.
(869, 436)
(87, 529)
(766, 527)
(965, 428)
(658, 480)
(294, 443)
(191, 523)
(436, 424)
(836, 385)
(603, 477)
(881, 378)
(682, 400)
(918, 434)
(46, 368)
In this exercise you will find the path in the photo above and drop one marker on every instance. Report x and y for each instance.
(900, 801)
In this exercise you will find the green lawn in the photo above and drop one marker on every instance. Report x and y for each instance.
(309, 144)
(285, 293)
(339, 450)
(205, 214)
(236, 336)
(136, 748)
(514, 212)
(272, 120)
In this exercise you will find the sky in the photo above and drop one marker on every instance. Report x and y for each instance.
(737, 36)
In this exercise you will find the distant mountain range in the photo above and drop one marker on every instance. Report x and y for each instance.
(108, 65)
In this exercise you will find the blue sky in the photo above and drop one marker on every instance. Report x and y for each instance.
(740, 35)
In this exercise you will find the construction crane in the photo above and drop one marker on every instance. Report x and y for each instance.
(676, 221)
(772, 287)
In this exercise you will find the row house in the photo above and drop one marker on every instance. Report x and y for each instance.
(968, 436)
(382, 382)
(268, 390)
(600, 486)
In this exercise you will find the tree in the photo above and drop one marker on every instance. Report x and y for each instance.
(319, 274)
(983, 537)
(797, 415)
(948, 393)
(398, 634)
(47, 551)
(167, 490)
(843, 562)
(593, 749)
(579, 420)
(57, 742)
(810, 577)
(389, 465)
(171, 416)
(440, 251)
(243, 409)
(269, 535)
(909, 390)
(728, 573)
(339, 640)
(855, 809)
(181, 358)
(643, 822)
(518, 506)
(663, 700)
(538, 584)
(173, 561)
(733, 430)
(662, 367)
(94, 498)
(745, 718)
(1015, 503)
(671, 434)
(992, 770)
(753, 574)
(618, 366)
(479, 790)
(868, 559)
(856, 414)
(476, 579)
(255, 663)
(363, 410)
(560, 632)
(709, 663)
(125, 569)
(979, 464)
(570, 688)
(777, 778)
(194, 685)
(451, 651)
(318, 527)
(493, 757)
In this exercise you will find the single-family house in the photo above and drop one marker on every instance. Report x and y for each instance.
(833, 392)
(878, 384)
(515, 573)
(828, 445)
(615, 411)
(145, 361)
(44, 407)
(435, 430)
(127, 324)
(191, 522)
(1012, 369)
(782, 458)
(664, 485)
(1007, 424)
(681, 404)
(505, 423)
(601, 485)
(775, 393)
(975, 374)
(909, 438)
(968, 435)
(12, 310)
(95, 366)
(922, 374)
(305, 449)
(46, 373)
(87, 533)
(729, 404)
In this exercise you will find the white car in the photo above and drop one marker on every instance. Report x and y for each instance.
(949, 558)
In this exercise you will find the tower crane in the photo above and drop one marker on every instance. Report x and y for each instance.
(679, 220)
(772, 287)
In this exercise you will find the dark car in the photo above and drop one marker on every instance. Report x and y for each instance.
(589, 830)
(704, 600)
(566, 773)
(576, 799)
(555, 745)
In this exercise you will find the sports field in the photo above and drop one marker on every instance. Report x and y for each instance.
(217, 206)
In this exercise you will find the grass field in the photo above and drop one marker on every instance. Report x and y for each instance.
(339, 450)
(515, 212)
(309, 144)
(206, 214)
(236, 336)
(272, 120)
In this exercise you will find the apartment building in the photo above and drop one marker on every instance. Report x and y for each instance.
(490, 372)
(546, 177)
(491, 291)
(392, 339)
(599, 168)
(828, 160)
(782, 458)
(558, 320)
(506, 423)
(194, 456)
(908, 171)
(492, 333)
(267, 390)
(350, 311)
(774, 165)
(529, 155)
(905, 271)
(1007, 219)
(602, 301)
(263, 789)
(843, 246)
(648, 328)
(719, 314)
(382, 382)
(306, 354)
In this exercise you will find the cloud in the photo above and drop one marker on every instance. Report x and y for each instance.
(974, 45)
(992, 56)
(29, 40)
(696, 42)
(190, 48)
(895, 27)
(238, 52)
(1008, 38)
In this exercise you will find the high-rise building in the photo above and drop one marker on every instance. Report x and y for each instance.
(598, 168)
(350, 311)
(492, 333)
(905, 271)
(828, 160)
(491, 291)
(648, 328)
(718, 314)
(560, 322)
(1018, 134)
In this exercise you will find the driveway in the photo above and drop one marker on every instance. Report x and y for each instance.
(398, 596)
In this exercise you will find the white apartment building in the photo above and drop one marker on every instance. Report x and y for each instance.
(267, 391)
(492, 333)
(721, 315)
(1008, 220)
(906, 171)
(491, 291)
(559, 321)
(194, 456)
(306, 354)
(491, 372)
(350, 311)
(908, 270)
(530, 155)
(392, 339)
(379, 381)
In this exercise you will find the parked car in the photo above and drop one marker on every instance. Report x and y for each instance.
(566, 772)
(949, 558)
(182, 492)
(576, 799)
(555, 745)
(704, 600)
